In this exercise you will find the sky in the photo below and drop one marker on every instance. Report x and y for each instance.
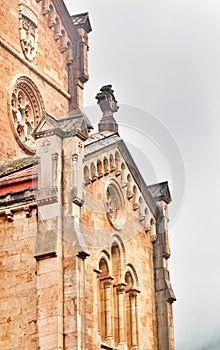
(163, 61)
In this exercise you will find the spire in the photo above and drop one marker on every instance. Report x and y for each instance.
(108, 105)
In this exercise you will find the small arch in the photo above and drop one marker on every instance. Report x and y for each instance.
(45, 7)
(99, 168)
(106, 254)
(57, 29)
(129, 280)
(93, 172)
(103, 267)
(133, 273)
(63, 41)
(106, 166)
(86, 175)
(116, 262)
(51, 17)
(118, 240)
(112, 162)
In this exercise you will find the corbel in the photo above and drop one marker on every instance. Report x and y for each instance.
(28, 211)
(10, 215)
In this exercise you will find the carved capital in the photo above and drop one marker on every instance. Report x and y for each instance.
(107, 282)
(133, 293)
(120, 289)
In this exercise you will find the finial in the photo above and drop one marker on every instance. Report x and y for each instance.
(108, 105)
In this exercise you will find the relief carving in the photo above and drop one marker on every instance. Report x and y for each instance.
(28, 31)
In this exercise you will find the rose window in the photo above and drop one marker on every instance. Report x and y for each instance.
(26, 109)
(115, 204)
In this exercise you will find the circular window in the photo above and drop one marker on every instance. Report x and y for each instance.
(115, 204)
(26, 110)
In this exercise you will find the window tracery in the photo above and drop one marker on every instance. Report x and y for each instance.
(26, 109)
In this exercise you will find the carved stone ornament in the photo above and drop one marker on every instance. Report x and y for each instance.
(26, 110)
(28, 29)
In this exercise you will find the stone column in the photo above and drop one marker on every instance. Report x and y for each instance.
(133, 310)
(121, 320)
(107, 302)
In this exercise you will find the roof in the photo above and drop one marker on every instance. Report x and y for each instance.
(16, 165)
(18, 175)
(78, 124)
(100, 140)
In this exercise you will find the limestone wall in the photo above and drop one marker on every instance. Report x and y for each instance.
(18, 289)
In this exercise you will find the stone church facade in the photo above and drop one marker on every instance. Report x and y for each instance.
(83, 240)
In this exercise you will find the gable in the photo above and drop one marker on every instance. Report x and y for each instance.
(106, 153)
(116, 197)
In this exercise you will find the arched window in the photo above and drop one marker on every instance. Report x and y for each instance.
(131, 316)
(105, 301)
(117, 296)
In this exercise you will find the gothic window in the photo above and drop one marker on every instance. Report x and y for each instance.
(26, 110)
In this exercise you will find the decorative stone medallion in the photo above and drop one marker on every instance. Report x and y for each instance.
(28, 30)
(115, 204)
(26, 110)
